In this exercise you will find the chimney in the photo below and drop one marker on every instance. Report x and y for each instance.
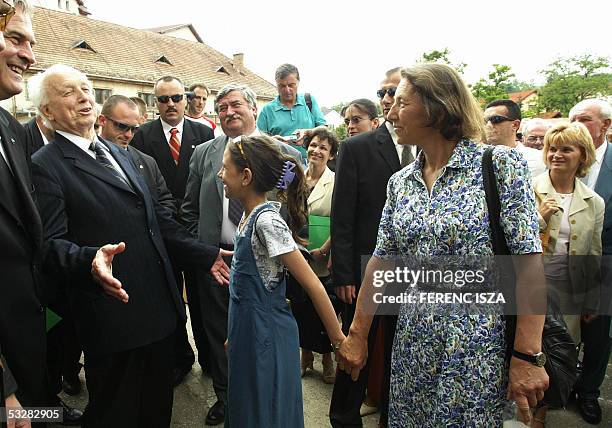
(238, 61)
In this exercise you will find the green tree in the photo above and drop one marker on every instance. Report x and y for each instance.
(495, 86)
(573, 79)
(442, 57)
(341, 132)
(338, 107)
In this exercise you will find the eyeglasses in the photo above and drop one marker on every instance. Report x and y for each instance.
(354, 120)
(123, 127)
(7, 10)
(382, 92)
(175, 98)
(495, 119)
(534, 138)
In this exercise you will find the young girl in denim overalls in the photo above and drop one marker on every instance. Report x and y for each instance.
(264, 385)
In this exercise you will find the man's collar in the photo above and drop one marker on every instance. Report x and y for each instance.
(278, 105)
(82, 143)
(391, 130)
(167, 127)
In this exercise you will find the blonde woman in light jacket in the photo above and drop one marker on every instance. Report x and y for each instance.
(321, 145)
(571, 220)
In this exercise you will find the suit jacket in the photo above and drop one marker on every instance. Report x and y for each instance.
(22, 320)
(202, 210)
(365, 164)
(603, 187)
(84, 206)
(33, 135)
(149, 170)
(586, 217)
(150, 139)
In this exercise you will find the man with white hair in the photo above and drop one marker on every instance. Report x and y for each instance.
(596, 115)
(123, 296)
(533, 133)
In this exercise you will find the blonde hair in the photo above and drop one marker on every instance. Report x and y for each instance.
(449, 105)
(574, 133)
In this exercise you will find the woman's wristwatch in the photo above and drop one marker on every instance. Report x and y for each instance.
(538, 359)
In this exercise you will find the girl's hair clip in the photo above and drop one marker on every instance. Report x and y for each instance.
(287, 177)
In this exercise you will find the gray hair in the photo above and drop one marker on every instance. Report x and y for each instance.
(39, 88)
(532, 123)
(605, 111)
(25, 6)
(285, 70)
(248, 94)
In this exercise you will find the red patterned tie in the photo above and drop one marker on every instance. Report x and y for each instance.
(175, 145)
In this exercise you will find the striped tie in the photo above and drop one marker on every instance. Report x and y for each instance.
(175, 145)
(102, 158)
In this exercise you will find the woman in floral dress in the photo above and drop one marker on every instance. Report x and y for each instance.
(449, 366)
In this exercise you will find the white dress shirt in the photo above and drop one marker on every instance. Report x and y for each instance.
(398, 147)
(591, 178)
(84, 144)
(166, 127)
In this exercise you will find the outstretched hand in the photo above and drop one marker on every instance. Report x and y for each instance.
(102, 271)
(219, 270)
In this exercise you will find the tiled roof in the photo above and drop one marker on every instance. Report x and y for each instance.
(170, 28)
(128, 54)
(517, 97)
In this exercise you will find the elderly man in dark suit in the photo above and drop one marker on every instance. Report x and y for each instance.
(365, 164)
(596, 115)
(213, 219)
(126, 303)
(170, 140)
(119, 122)
(22, 321)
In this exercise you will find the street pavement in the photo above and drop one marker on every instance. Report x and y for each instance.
(195, 396)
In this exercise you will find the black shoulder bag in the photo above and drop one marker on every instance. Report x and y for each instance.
(557, 344)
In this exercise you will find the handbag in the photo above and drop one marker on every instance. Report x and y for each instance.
(557, 344)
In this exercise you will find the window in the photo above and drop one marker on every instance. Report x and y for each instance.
(82, 44)
(164, 60)
(102, 95)
(59, 4)
(149, 99)
(67, 4)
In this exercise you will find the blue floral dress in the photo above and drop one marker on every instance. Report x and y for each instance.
(448, 367)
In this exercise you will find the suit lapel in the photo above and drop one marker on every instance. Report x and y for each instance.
(215, 160)
(386, 147)
(86, 163)
(15, 157)
(188, 143)
(603, 185)
(320, 190)
(126, 163)
(159, 145)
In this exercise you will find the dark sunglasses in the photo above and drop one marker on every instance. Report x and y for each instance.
(382, 92)
(165, 98)
(495, 119)
(534, 138)
(123, 127)
(7, 11)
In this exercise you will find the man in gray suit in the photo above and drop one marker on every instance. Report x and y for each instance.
(212, 217)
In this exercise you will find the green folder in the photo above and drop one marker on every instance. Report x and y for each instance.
(52, 319)
(318, 231)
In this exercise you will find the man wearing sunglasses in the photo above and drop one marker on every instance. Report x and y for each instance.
(22, 315)
(365, 164)
(502, 121)
(119, 121)
(171, 140)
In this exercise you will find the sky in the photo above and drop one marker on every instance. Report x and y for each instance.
(343, 47)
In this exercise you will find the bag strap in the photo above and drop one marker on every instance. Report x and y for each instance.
(308, 99)
(498, 239)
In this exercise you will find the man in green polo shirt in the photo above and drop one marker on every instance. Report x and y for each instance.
(290, 113)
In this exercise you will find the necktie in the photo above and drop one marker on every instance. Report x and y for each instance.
(235, 210)
(106, 163)
(407, 157)
(175, 145)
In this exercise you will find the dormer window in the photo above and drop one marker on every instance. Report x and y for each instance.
(222, 70)
(164, 60)
(82, 44)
